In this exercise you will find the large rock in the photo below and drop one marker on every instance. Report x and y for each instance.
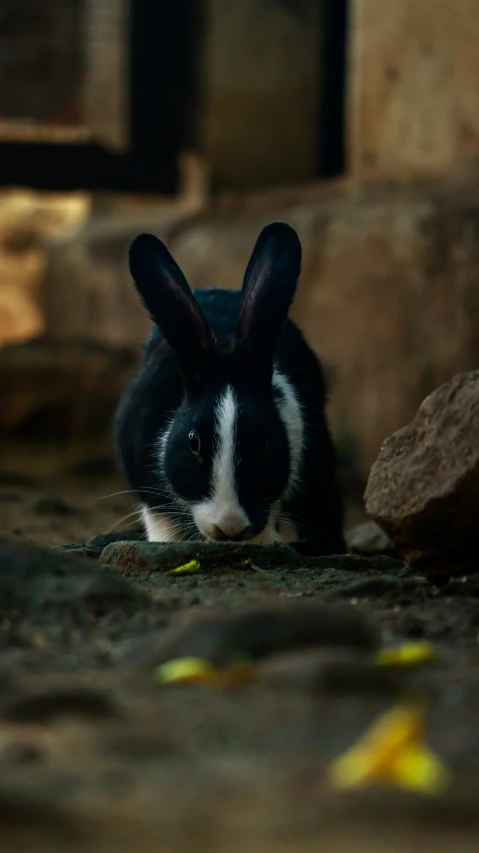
(39, 577)
(424, 488)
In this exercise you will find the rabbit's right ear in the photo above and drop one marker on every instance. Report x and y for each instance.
(172, 307)
(269, 287)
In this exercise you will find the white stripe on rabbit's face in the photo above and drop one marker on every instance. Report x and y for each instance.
(221, 516)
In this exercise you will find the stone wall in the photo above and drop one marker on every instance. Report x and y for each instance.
(389, 293)
(413, 88)
(27, 221)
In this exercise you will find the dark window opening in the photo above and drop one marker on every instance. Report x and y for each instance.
(160, 41)
(332, 142)
(164, 41)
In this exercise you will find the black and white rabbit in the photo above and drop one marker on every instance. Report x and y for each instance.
(223, 433)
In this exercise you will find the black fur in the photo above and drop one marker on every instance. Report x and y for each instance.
(197, 347)
(170, 303)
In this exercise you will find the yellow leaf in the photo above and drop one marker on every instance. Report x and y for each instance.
(392, 752)
(200, 671)
(184, 669)
(419, 769)
(186, 568)
(408, 654)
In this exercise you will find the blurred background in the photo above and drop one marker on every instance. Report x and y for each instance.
(357, 121)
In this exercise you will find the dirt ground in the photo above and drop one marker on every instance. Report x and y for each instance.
(96, 755)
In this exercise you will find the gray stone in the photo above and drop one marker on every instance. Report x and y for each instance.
(40, 576)
(147, 557)
(261, 631)
(368, 538)
(330, 670)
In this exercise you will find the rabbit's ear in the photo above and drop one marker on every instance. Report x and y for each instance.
(172, 306)
(269, 287)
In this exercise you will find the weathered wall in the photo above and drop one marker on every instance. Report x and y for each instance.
(389, 293)
(413, 87)
(27, 221)
(261, 91)
(100, 302)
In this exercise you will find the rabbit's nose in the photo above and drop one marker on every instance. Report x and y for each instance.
(226, 533)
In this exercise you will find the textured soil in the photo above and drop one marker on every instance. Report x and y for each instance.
(96, 755)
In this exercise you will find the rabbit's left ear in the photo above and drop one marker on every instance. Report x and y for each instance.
(172, 306)
(269, 287)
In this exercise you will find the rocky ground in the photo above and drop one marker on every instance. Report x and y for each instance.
(98, 755)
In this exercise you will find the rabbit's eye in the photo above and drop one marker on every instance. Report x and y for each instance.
(195, 443)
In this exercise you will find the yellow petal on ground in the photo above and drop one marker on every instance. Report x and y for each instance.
(186, 568)
(184, 669)
(201, 671)
(392, 752)
(419, 769)
(408, 654)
